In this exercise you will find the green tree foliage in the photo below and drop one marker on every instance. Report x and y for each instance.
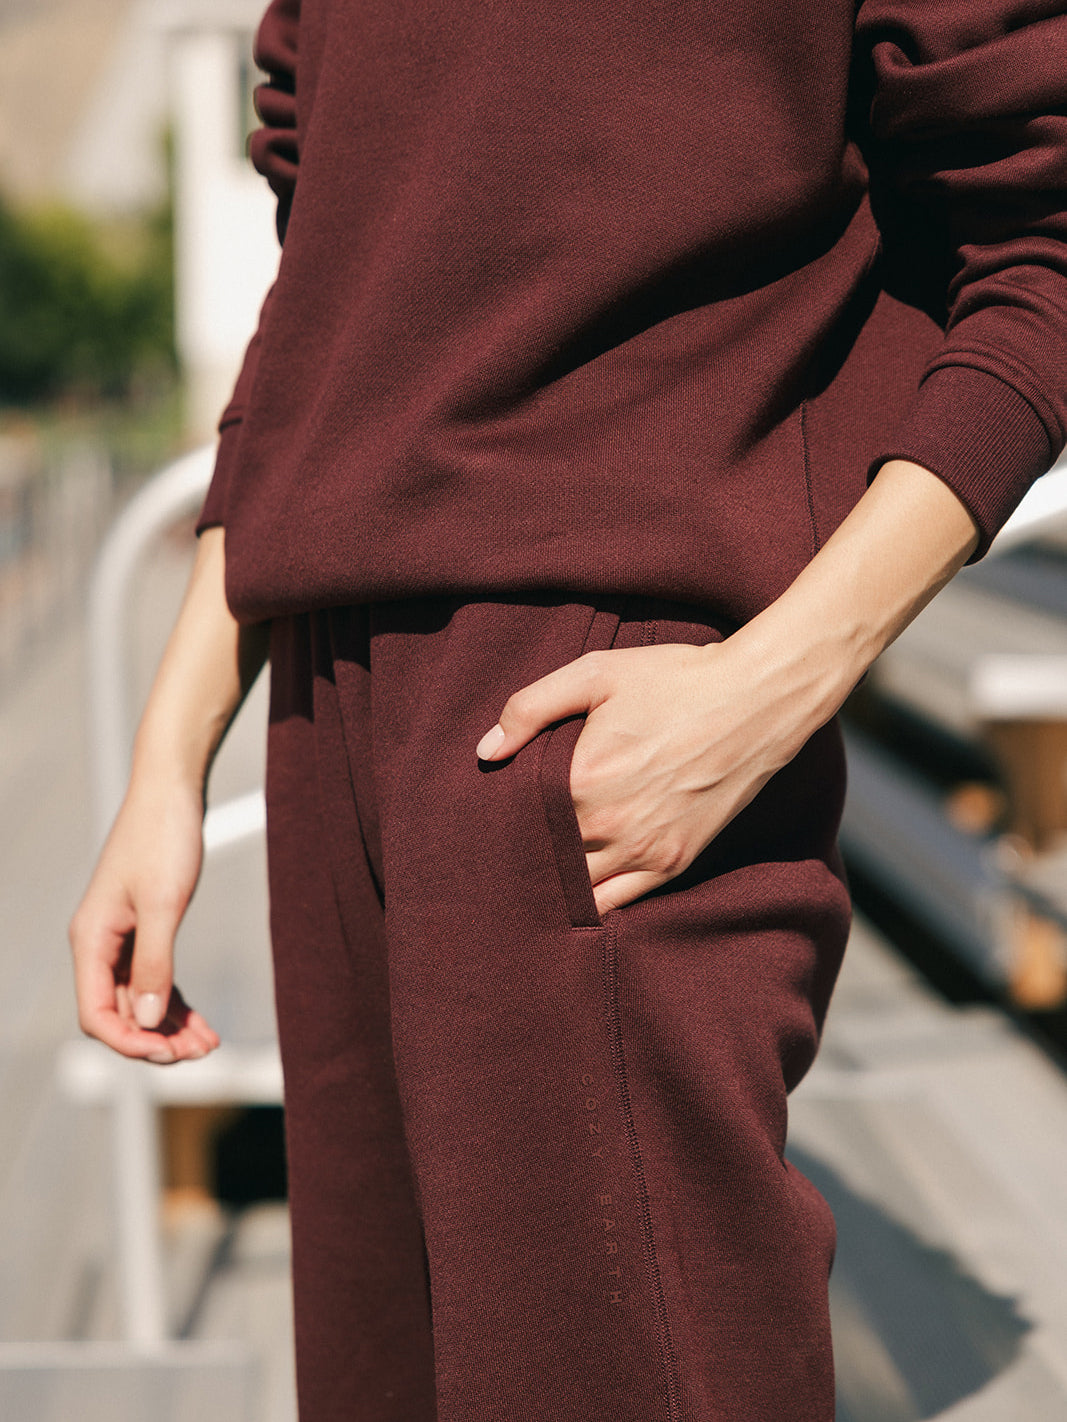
(86, 311)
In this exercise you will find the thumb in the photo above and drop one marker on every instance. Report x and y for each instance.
(568, 691)
(152, 968)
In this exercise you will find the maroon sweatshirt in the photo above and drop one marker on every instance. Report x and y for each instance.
(634, 296)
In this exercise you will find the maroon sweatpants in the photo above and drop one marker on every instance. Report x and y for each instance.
(536, 1167)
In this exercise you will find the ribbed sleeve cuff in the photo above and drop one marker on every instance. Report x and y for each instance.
(980, 436)
(213, 508)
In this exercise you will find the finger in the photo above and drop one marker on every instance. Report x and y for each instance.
(623, 889)
(185, 1030)
(95, 982)
(182, 1044)
(124, 1036)
(105, 1013)
(105, 1006)
(123, 1002)
(182, 1034)
(197, 1024)
(206, 1035)
(571, 690)
(184, 1041)
(152, 968)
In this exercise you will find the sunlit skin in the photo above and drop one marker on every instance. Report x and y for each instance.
(122, 935)
(676, 740)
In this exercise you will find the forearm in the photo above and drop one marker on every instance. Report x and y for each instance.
(209, 663)
(905, 538)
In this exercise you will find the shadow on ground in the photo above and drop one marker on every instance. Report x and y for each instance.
(913, 1332)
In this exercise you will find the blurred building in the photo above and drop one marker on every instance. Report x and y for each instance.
(88, 91)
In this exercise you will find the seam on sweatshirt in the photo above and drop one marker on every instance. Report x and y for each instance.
(668, 1357)
(809, 491)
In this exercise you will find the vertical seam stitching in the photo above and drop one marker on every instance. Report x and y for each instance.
(809, 491)
(326, 826)
(618, 1061)
(345, 740)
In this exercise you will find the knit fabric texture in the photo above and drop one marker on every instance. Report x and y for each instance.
(635, 298)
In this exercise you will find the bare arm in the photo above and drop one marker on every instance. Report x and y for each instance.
(122, 934)
(678, 739)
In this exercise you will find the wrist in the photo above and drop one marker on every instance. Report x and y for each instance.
(904, 539)
(175, 755)
(811, 656)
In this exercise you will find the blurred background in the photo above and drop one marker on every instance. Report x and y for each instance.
(143, 1232)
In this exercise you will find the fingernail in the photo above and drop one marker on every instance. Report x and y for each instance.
(148, 1009)
(490, 743)
(160, 1058)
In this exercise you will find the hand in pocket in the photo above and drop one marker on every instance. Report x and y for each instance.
(676, 740)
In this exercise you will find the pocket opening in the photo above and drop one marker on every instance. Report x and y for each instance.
(554, 780)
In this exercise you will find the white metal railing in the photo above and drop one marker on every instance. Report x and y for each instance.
(88, 1071)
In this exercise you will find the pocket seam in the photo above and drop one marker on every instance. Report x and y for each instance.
(557, 805)
(564, 833)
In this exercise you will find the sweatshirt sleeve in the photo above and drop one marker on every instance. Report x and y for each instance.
(964, 124)
(273, 151)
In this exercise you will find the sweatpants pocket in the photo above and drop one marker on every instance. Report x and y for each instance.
(563, 826)
(554, 777)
